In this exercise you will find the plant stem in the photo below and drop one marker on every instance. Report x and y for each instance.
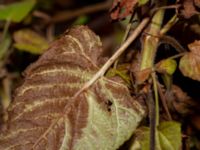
(150, 42)
(155, 88)
(149, 48)
(169, 24)
(5, 30)
(128, 28)
(163, 100)
(177, 56)
(152, 119)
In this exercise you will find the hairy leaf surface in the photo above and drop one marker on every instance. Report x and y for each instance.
(44, 115)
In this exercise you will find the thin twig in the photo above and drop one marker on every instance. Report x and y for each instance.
(177, 56)
(169, 24)
(152, 120)
(163, 100)
(128, 28)
(102, 71)
(41, 15)
(169, 40)
(176, 6)
(67, 15)
(50, 32)
(5, 30)
(155, 88)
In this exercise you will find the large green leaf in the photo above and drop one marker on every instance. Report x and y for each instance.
(168, 137)
(16, 12)
(45, 115)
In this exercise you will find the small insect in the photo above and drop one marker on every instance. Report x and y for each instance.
(108, 104)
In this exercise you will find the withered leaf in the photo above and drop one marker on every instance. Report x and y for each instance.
(122, 8)
(179, 102)
(190, 62)
(197, 3)
(189, 9)
(44, 115)
(142, 76)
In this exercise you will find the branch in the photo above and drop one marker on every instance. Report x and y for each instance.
(123, 47)
(67, 15)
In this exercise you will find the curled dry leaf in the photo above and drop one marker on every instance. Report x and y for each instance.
(179, 102)
(44, 115)
(190, 62)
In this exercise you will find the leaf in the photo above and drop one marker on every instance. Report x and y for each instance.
(190, 63)
(189, 9)
(180, 103)
(30, 41)
(142, 76)
(142, 2)
(16, 12)
(121, 71)
(168, 136)
(81, 20)
(122, 8)
(44, 113)
(166, 66)
(197, 3)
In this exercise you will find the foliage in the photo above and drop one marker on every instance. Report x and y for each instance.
(30, 41)
(16, 12)
(167, 66)
(105, 114)
(168, 136)
(139, 83)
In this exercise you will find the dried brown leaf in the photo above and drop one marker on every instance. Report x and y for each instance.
(122, 8)
(44, 115)
(197, 3)
(143, 75)
(140, 75)
(178, 101)
(190, 62)
(189, 9)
